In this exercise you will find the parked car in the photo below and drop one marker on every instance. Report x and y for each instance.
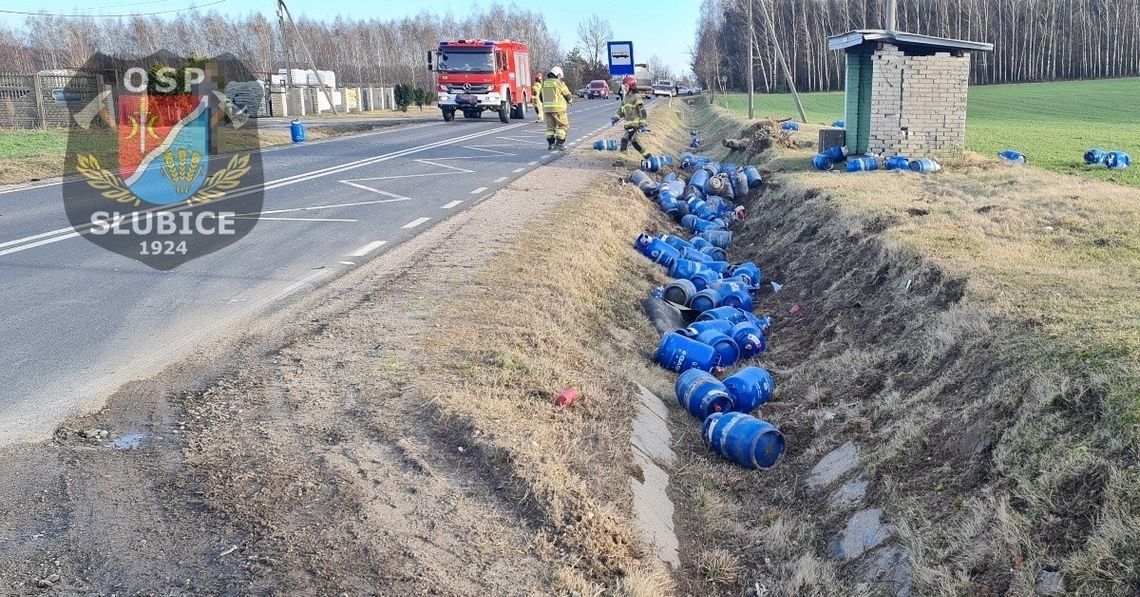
(684, 91)
(664, 88)
(583, 92)
(599, 88)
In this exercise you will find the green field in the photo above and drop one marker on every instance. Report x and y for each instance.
(1051, 123)
(25, 143)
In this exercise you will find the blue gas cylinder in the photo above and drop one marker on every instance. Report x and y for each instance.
(1117, 159)
(835, 154)
(750, 387)
(898, 162)
(702, 394)
(744, 439)
(1012, 155)
(297, 131)
(679, 353)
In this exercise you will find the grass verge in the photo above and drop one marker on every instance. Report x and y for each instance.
(1052, 123)
(558, 309)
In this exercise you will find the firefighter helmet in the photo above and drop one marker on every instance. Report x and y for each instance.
(556, 71)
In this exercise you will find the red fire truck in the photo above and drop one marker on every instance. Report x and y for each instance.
(475, 75)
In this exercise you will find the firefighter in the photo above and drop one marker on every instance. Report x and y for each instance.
(536, 97)
(556, 97)
(632, 111)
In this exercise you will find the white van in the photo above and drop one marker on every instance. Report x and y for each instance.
(664, 87)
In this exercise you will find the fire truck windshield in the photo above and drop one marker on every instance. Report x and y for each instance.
(466, 62)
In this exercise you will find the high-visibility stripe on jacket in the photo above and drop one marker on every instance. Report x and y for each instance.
(631, 110)
(555, 95)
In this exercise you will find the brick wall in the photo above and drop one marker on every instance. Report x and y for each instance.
(918, 103)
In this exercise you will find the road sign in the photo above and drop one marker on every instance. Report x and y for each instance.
(621, 57)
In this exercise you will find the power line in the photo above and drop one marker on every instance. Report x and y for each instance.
(107, 16)
(127, 4)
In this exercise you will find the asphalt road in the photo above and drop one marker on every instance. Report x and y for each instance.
(78, 321)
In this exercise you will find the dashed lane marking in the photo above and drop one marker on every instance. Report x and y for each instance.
(415, 222)
(531, 163)
(366, 249)
(500, 179)
(478, 190)
(450, 205)
(517, 170)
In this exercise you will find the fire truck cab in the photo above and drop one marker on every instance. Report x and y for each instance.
(475, 75)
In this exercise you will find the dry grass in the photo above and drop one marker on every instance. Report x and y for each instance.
(718, 567)
(547, 316)
(645, 580)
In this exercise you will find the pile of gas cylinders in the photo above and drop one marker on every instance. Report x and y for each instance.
(718, 297)
(1109, 159)
(830, 157)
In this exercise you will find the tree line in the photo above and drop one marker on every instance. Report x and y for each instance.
(1034, 40)
(360, 51)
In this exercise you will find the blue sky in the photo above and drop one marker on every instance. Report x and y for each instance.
(661, 27)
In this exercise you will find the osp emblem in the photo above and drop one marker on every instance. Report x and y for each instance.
(169, 165)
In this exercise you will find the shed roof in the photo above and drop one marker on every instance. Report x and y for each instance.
(902, 38)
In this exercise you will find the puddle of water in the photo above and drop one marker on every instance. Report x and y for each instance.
(129, 441)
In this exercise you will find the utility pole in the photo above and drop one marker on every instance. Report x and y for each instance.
(783, 63)
(312, 63)
(751, 68)
(891, 15)
(285, 44)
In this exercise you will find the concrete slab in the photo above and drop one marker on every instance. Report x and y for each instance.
(652, 508)
(864, 532)
(832, 467)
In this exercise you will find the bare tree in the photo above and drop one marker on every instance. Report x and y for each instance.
(593, 33)
(657, 68)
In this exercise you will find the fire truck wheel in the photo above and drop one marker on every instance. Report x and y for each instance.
(449, 115)
(504, 112)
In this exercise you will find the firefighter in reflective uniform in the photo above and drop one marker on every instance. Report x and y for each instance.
(536, 97)
(632, 111)
(555, 99)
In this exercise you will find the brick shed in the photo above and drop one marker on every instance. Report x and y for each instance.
(905, 93)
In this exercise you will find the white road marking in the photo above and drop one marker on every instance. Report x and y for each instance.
(517, 170)
(61, 234)
(415, 222)
(331, 206)
(346, 263)
(366, 249)
(263, 150)
(309, 279)
(531, 163)
(377, 191)
(450, 205)
(478, 190)
(251, 217)
(500, 179)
